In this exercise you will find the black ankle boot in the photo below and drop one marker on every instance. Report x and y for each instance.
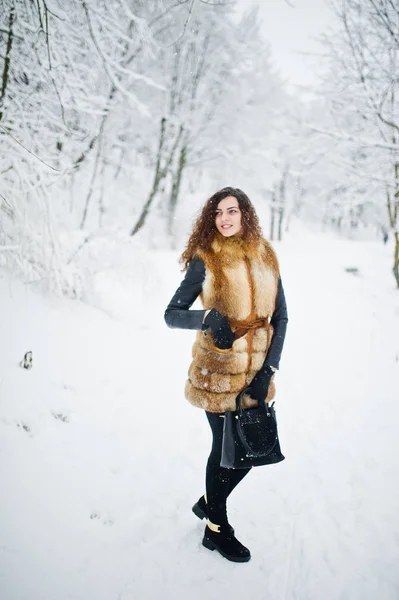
(226, 544)
(200, 509)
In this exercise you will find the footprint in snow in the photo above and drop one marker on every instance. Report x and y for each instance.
(24, 426)
(97, 517)
(60, 417)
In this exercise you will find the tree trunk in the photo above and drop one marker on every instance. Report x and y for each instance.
(281, 202)
(176, 188)
(160, 174)
(396, 260)
(91, 187)
(272, 215)
(157, 179)
(7, 59)
(280, 223)
(393, 214)
(78, 162)
(394, 210)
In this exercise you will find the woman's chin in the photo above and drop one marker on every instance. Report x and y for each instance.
(227, 232)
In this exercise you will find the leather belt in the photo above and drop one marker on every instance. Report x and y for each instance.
(240, 328)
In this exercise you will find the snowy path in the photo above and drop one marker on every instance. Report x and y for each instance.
(96, 501)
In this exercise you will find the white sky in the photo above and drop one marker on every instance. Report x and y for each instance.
(291, 31)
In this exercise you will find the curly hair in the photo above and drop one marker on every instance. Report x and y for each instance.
(205, 227)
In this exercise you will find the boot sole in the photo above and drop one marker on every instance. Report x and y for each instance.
(212, 546)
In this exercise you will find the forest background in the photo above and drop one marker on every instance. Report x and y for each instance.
(118, 119)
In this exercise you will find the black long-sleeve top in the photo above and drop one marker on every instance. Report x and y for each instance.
(178, 313)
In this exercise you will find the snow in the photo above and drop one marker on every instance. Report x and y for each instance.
(101, 457)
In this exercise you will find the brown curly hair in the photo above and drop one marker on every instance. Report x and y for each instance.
(205, 227)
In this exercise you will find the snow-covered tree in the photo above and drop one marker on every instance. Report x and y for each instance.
(111, 114)
(362, 94)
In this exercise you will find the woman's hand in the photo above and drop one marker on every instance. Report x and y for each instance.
(220, 328)
(259, 386)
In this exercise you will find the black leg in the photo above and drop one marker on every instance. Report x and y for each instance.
(220, 482)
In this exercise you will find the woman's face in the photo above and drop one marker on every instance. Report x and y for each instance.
(228, 217)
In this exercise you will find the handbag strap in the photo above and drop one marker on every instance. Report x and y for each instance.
(239, 408)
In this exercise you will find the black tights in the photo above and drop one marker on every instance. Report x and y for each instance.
(220, 482)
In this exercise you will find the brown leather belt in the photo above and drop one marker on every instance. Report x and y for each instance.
(240, 328)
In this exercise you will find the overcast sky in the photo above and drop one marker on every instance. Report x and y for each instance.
(290, 30)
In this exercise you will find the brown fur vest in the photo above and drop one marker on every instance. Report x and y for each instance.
(240, 282)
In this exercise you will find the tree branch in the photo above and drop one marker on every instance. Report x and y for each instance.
(351, 138)
(190, 10)
(27, 150)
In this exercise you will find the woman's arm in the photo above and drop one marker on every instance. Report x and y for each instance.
(177, 313)
(279, 322)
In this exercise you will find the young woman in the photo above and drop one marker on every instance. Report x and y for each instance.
(240, 336)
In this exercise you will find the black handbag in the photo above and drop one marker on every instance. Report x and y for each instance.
(250, 437)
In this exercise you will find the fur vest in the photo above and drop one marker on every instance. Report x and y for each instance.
(241, 282)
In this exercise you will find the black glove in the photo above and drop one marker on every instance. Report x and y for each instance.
(220, 328)
(259, 386)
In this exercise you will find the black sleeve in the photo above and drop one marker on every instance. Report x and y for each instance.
(279, 322)
(177, 313)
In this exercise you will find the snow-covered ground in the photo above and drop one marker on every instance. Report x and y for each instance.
(101, 457)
